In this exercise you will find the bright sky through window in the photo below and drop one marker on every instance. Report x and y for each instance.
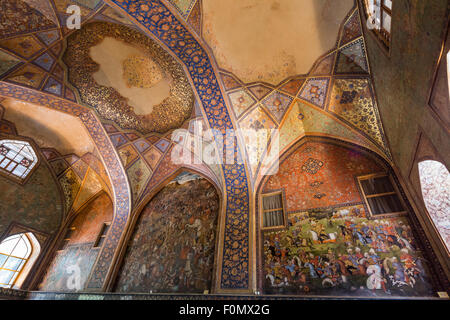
(14, 252)
(17, 157)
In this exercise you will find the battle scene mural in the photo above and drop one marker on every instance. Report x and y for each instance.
(331, 244)
(172, 248)
(341, 252)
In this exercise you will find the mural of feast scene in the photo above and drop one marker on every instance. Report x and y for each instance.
(173, 245)
(341, 252)
(117, 180)
(334, 248)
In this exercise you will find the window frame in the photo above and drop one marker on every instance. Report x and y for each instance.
(9, 175)
(65, 240)
(102, 235)
(262, 211)
(395, 192)
(22, 266)
(383, 42)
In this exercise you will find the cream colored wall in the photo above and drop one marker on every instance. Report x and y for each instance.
(270, 40)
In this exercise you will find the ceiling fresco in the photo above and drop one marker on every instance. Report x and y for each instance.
(35, 17)
(351, 110)
(144, 157)
(138, 70)
(336, 99)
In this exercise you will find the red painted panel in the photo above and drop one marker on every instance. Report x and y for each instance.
(320, 175)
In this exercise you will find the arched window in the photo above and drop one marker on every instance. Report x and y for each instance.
(439, 100)
(378, 14)
(435, 184)
(17, 158)
(15, 252)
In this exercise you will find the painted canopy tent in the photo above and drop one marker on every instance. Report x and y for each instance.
(205, 148)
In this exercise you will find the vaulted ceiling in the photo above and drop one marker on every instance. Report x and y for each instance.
(138, 70)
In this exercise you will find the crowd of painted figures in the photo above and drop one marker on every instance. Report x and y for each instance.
(341, 252)
(172, 249)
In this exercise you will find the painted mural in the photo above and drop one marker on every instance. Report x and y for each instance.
(79, 255)
(341, 252)
(172, 248)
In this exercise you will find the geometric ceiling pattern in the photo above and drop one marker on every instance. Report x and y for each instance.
(31, 47)
(26, 12)
(184, 7)
(81, 179)
(34, 59)
(336, 98)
